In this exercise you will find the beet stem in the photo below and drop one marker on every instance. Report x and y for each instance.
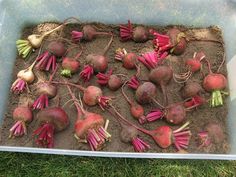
(81, 88)
(123, 93)
(182, 127)
(53, 74)
(108, 46)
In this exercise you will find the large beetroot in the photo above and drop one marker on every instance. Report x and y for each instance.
(51, 120)
(95, 63)
(89, 126)
(215, 83)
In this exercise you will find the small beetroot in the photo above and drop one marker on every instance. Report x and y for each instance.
(212, 134)
(95, 63)
(45, 90)
(190, 89)
(113, 81)
(178, 41)
(193, 65)
(47, 60)
(129, 60)
(22, 115)
(137, 34)
(70, 65)
(88, 33)
(215, 83)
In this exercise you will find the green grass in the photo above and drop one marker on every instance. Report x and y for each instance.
(22, 164)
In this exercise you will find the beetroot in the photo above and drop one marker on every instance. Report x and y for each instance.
(145, 93)
(92, 94)
(70, 65)
(212, 134)
(129, 60)
(173, 113)
(162, 76)
(193, 65)
(89, 126)
(21, 115)
(136, 110)
(164, 136)
(191, 89)
(137, 34)
(95, 63)
(178, 41)
(88, 33)
(129, 134)
(215, 83)
(45, 90)
(113, 81)
(47, 60)
(24, 77)
(51, 120)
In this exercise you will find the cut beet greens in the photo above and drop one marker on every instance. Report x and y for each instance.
(89, 126)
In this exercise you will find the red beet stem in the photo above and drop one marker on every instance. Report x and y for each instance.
(126, 31)
(140, 145)
(133, 82)
(87, 73)
(81, 88)
(209, 66)
(78, 105)
(123, 93)
(41, 102)
(108, 46)
(53, 74)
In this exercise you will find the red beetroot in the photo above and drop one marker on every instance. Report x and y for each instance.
(137, 34)
(164, 136)
(145, 92)
(47, 60)
(70, 65)
(215, 83)
(21, 115)
(129, 134)
(45, 90)
(89, 126)
(193, 65)
(51, 120)
(113, 81)
(129, 60)
(178, 41)
(173, 113)
(191, 89)
(136, 110)
(162, 76)
(212, 134)
(95, 63)
(92, 94)
(88, 33)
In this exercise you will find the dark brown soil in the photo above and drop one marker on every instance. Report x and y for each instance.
(66, 140)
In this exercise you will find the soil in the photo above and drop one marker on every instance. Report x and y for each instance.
(65, 139)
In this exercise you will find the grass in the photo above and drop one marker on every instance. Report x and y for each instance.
(22, 164)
